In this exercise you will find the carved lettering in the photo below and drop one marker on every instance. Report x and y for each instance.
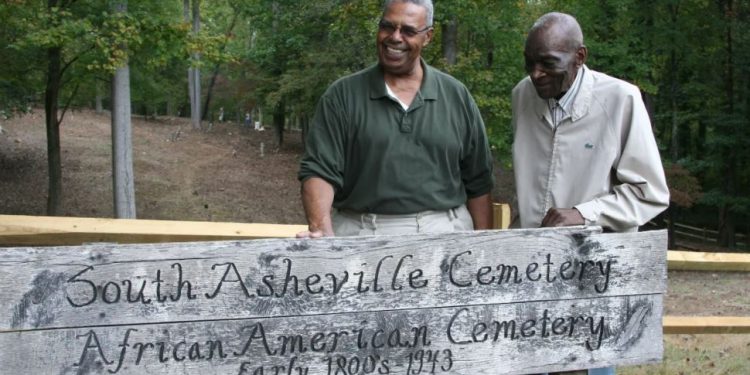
(596, 272)
(462, 329)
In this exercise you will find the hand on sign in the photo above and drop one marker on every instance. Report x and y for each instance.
(315, 233)
(562, 217)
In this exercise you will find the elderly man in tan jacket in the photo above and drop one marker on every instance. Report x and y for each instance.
(583, 151)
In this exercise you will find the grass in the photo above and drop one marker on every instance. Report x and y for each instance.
(699, 354)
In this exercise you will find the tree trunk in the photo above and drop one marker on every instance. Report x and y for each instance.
(209, 93)
(195, 106)
(305, 129)
(674, 94)
(490, 55)
(727, 225)
(211, 84)
(186, 17)
(54, 161)
(450, 40)
(99, 97)
(675, 142)
(122, 139)
(278, 123)
(194, 87)
(700, 149)
(675, 131)
(672, 217)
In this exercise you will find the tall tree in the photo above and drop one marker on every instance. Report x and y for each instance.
(728, 9)
(217, 64)
(122, 133)
(194, 72)
(78, 42)
(450, 39)
(57, 37)
(52, 122)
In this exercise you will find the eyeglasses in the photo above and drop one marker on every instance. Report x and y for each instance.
(406, 31)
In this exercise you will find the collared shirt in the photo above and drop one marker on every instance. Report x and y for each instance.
(601, 158)
(384, 159)
(560, 109)
(396, 98)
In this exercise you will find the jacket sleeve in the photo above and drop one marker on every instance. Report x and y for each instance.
(640, 191)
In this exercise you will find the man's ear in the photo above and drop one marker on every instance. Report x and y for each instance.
(428, 37)
(581, 54)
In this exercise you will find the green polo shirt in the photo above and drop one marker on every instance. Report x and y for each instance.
(383, 159)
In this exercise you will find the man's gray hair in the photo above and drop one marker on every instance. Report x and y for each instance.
(427, 4)
(566, 23)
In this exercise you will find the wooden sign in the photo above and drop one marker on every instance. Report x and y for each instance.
(492, 302)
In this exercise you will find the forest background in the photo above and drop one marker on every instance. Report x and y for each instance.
(274, 58)
(62, 62)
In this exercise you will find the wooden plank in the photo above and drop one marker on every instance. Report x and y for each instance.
(458, 269)
(702, 230)
(706, 324)
(451, 340)
(701, 261)
(500, 215)
(72, 309)
(706, 230)
(18, 230)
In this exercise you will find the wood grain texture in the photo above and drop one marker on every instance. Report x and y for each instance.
(501, 216)
(62, 303)
(706, 325)
(18, 230)
(123, 284)
(460, 340)
(701, 261)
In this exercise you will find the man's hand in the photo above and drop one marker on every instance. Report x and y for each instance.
(315, 233)
(562, 217)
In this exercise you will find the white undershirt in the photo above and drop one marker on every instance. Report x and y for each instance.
(393, 95)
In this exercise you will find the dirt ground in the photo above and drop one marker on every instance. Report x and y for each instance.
(227, 173)
(235, 174)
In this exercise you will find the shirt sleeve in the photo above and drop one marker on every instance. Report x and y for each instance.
(640, 192)
(476, 163)
(325, 145)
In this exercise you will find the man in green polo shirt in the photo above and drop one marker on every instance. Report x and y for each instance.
(399, 147)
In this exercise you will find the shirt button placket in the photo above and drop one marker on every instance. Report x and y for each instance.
(405, 123)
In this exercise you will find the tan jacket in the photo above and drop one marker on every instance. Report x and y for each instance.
(602, 160)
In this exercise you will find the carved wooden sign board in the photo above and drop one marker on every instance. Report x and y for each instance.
(491, 302)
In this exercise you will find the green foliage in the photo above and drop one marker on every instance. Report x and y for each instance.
(285, 53)
(490, 64)
(22, 73)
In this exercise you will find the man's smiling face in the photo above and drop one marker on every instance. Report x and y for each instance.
(402, 34)
(551, 62)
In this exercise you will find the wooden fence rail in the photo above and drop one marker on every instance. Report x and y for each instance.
(59, 231)
(705, 235)
(706, 232)
(706, 324)
(703, 261)
(701, 235)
